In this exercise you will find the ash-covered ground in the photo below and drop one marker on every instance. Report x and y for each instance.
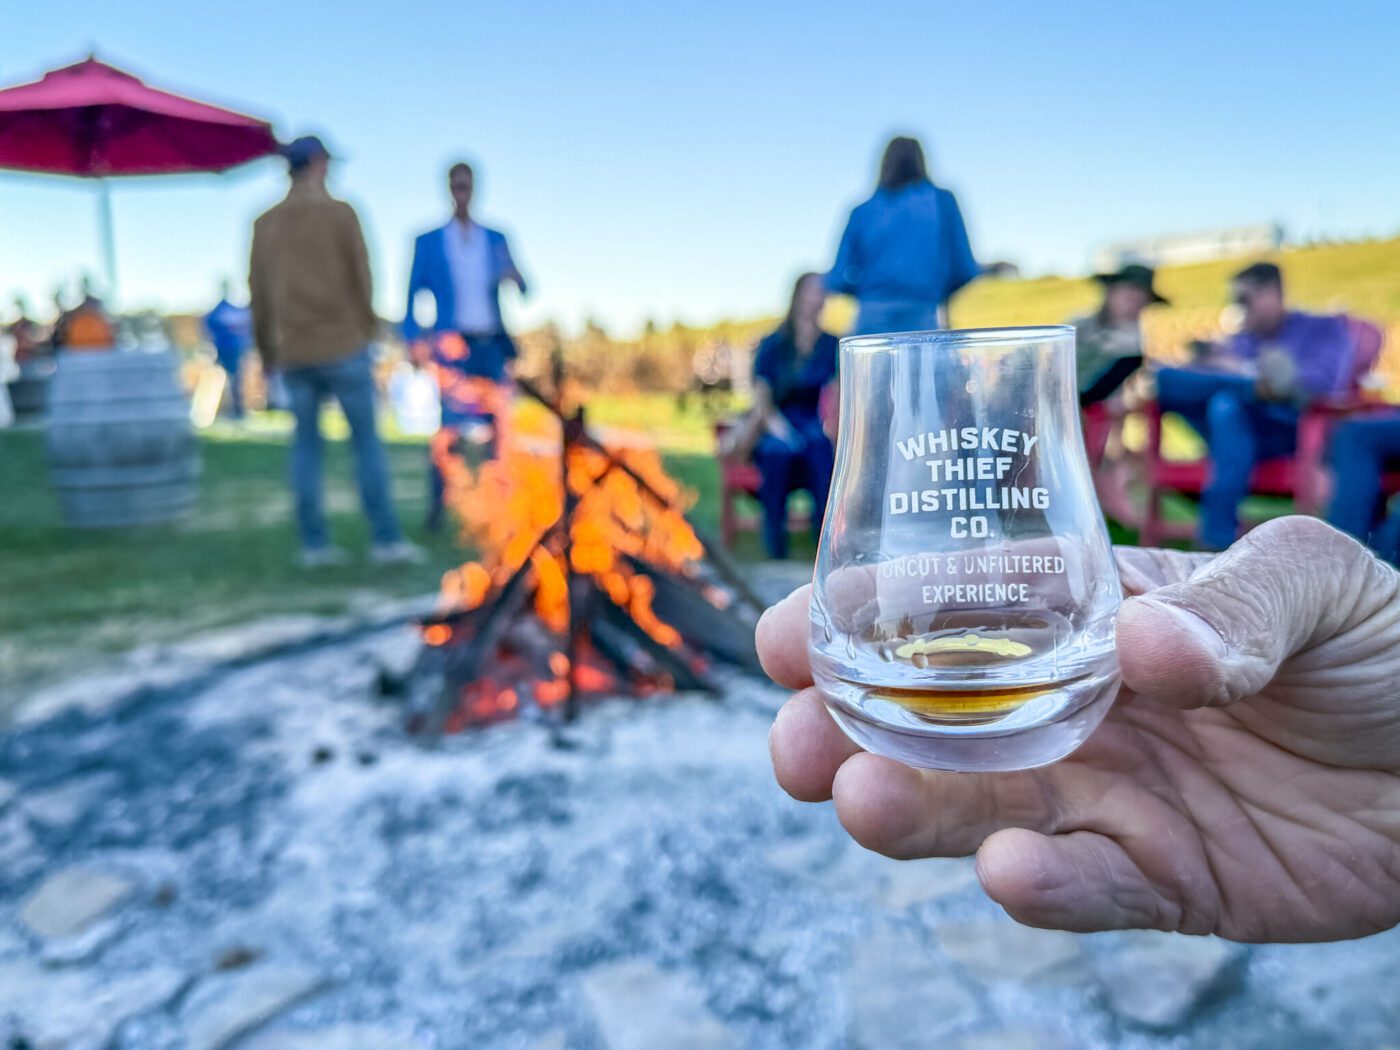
(262, 860)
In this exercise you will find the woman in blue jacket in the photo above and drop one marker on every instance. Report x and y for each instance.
(905, 250)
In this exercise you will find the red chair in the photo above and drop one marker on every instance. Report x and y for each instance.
(1112, 478)
(738, 482)
(1097, 421)
(737, 477)
(1301, 477)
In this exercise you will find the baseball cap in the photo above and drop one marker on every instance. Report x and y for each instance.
(303, 150)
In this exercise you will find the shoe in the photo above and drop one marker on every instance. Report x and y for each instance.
(400, 553)
(322, 557)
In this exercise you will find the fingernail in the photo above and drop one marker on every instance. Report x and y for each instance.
(1194, 624)
(778, 604)
(767, 613)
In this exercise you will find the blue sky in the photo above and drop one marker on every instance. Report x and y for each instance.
(683, 160)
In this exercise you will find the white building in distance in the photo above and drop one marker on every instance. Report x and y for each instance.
(1175, 249)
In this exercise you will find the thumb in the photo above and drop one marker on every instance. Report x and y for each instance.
(1221, 635)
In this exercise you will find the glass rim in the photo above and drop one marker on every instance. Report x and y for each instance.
(1039, 333)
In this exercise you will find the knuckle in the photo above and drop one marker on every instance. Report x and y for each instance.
(1301, 539)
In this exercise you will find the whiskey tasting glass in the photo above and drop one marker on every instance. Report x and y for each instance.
(965, 590)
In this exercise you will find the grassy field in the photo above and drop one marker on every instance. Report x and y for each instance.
(68, 597)
(1361, 278)
(72, 597)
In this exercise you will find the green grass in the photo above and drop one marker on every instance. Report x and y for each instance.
(677, 426)
(70, 596)
(1363, 277)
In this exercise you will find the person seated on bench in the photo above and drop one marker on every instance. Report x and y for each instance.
(790, 369)
(1108, 342)
(1244, 396)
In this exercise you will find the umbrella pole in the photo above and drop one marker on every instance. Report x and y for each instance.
(109, 240)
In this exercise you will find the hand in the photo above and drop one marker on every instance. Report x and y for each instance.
(1246, 782)
(1278, 376)
(1230, 365)
(779, 427)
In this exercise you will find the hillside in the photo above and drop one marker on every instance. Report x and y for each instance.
(1361, 277)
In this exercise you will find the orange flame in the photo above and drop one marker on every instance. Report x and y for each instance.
(506, 504)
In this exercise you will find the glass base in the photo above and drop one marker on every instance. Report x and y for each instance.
(972, 731)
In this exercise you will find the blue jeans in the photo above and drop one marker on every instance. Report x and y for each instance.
(351, 383)
(231, 366)
(489, 355)
(784, 468)
(1361, 450)
(876, 317)
(1239, 429)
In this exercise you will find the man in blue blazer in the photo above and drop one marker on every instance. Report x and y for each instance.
(462, 266)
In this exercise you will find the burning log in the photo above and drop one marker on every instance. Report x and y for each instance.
(636, 649)
(588, 580)
(714, 552)
(703, 614)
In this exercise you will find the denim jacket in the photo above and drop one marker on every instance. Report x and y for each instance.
(905, 245)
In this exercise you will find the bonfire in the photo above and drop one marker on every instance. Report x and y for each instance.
(586, 578)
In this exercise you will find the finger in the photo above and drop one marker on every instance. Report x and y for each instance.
(1081, 882)
(1221, 635)
(807, 748)
(904, 812)
(782, 638)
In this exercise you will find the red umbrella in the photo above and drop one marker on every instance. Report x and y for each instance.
(93, 120)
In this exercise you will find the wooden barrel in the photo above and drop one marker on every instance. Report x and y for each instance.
(121, 448)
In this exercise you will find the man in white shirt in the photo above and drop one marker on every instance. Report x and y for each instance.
(469, 260)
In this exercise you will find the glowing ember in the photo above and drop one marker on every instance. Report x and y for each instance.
(437, 634)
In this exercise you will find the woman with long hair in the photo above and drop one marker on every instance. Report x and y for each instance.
(905, 250)
(791, 368)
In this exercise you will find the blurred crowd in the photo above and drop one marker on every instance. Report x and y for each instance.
(904, 253)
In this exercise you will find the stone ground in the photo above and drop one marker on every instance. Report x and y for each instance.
(256, 858)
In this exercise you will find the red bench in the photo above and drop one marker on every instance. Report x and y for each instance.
(1302, 477)
(738, 483)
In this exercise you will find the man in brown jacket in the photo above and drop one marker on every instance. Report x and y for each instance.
(313, 322)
